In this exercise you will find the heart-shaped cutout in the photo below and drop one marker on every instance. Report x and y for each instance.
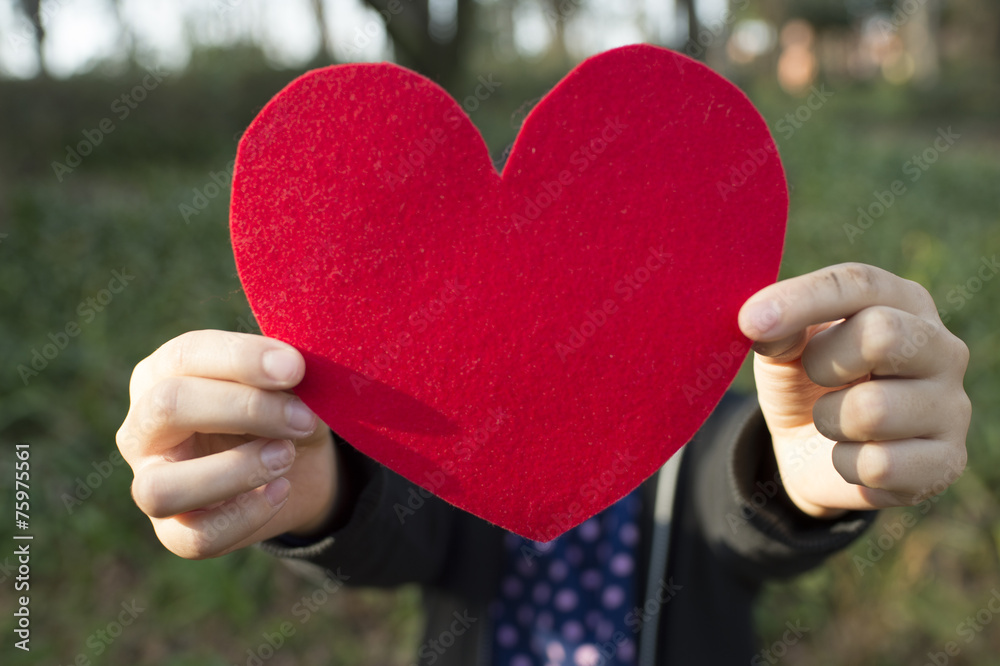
(529, 347)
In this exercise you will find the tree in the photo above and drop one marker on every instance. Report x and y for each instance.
(32, 10)
(408, 23)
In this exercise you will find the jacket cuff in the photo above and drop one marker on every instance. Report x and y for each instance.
(367, 491)
(762, 503)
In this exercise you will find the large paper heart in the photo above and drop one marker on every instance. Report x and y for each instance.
(528, 346)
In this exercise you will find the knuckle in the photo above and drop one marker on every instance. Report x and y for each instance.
(224, 525)
(148, 494)
(958, 459)
(964, 408)
(921, 296)
(862, 276)
(825, 419)
(875, 466)
(869, 406)
(191, 544)
(915, 499)
(881, 330)
(177, 352)
(961, 353)
(139, 373)
(202, 545)
(164, 399)
(255, 406)
(949, 467)
(124, 438)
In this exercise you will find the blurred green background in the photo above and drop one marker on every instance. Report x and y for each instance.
(146, 202)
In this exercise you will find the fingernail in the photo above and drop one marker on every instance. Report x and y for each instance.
(280, 364)
(299, 417)
(278, 455)
(277, 491)
(764, 316)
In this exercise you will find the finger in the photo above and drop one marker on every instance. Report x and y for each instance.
(208, 533)
(785, 308)
(913, 469)
(790, 348)
(881, 341)
(239, 357)
(163, 489)
(884, 409)
(177, 407)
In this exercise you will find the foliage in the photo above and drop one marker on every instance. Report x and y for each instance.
(120, 211)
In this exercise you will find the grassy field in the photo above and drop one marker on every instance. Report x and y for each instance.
(64, 237)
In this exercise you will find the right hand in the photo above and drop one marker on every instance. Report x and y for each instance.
(204, 408)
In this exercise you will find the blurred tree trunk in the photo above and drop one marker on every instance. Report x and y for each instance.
(409, 30)
(32, 10)
(691, 45)
(557, 12)
(128, 40)
(326, 41)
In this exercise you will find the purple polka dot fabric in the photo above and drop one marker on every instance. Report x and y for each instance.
(564, 603)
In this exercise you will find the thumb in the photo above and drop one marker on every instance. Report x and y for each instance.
(755, 317)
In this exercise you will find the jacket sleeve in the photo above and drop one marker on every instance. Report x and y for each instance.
(741, 505)
(396, 533)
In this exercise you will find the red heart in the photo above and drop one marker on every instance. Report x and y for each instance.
(530, 346)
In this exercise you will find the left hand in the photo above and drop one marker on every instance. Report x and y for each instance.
(861, 387)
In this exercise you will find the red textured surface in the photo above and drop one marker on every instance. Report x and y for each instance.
(443, 309)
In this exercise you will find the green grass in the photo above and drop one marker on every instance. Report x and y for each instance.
(120, 210)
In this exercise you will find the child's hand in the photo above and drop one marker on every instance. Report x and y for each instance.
(897, 434)
(209, 435)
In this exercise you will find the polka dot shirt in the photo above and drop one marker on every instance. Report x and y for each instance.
(563, 603)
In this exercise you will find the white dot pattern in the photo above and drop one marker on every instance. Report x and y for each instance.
(563, 603)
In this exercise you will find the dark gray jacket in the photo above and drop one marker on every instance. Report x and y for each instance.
(722, 526)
